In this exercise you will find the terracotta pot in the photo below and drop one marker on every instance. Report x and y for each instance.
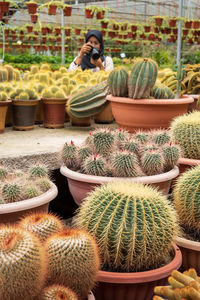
(190, 253)
(188, 24)
(89, 14)
(193, 106)
(13, 212)
(158, 21)
(67, 32)
(67, 11)
(39, 116)
(52, 9)
(133, 28)
(104, 25)
(4, 7)
(3, 111)
(187, 163)
(132, 114)
(105, 116)
(81, 184)
(100, 15)
(172, 22)
(32, 8)
(195, 24)
(136, 285)
(54, 112)
(24, 114)
(34, 18)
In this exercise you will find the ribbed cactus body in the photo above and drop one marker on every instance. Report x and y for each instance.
(133, 224)
(185, 131)
(171, 154)
(168, 93)
(3, 173)
(3, 74)
(83, 153)
(22, 264)
(118, 83)
(57, 292)
(142, 137)
(46, 93)
(69, 154)
(44, 184)
(152, 163)
(3, 96)
(142, 78)
(160, 137)
(132, 146)
(23, 96)
(10, 71)
(60, 95)
(11, 192)
(31, 191)
(103, 141)
(161, 92)
(43, 225)
(95, 165)
(38, 171)
(88, 102)
(73, 260)
(186, 198)
(124, 164)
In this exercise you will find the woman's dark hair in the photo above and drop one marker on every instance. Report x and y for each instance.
(86, 64)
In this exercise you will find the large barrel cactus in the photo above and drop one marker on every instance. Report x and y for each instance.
(142, 78)
(88, 102)
(160, 91)
(22, 264)
(133, 224)
(185, 131)
(186, 199)
(73, 260)
(118, 83)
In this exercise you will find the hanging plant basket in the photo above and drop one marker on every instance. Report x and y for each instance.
(158, 21)
(32, 8)
(52, 10)
(175, 30)
(67, 32)
(133, 28)
(104, 25)
(172, 22)
(77, 31)
(188, 24)
(100, 15)
(111, 34)
(57, 31)
(195, 24)
(115, 27)
(89, 14)
(4, 7)
(44, 30)
(67, 11)
(147, 28)
(34, 18)
(29, 28)
(1, 16)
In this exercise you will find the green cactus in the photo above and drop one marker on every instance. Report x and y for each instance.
(45, 67)
(161, 91)
(30, 190)
(73, 260)
(22, 264)
(171, 154)
(63, 70)
(3, 74)
(152, 162)
(68, 154)
(103, 141)
(43, 78)
(142, 137)
(54, 89)
(11, 192)
(32, 94)
(186, 199)
(60, 95)
(168, 93)
(43, 225)
(3, 97)
(83, 153)
(57, 75)
(124, 164)
(95, 165)
(38, 171)
(160, 137)
(142, 78)
(58, 292)
(17, 75)
(23, 96)
(179, 76)
(2, 201)
(46, 93)
(185, 130)
(65, 80)
(13, 94)
(132, 146)
(44, 184)
(118, 83)
(34, 69)
(120, 135)
(3, 173)
(10, 71)
(133, 224)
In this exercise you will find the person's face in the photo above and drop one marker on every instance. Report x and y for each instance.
(93, 41)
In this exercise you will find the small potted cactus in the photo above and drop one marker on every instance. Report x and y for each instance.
(54, 100)
(186, 202)
(24, 103)
(134, 226)
(23, 192)
(109, 155)
(4, 102)
(132, 104)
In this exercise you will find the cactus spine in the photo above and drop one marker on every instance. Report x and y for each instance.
(58, 292)
(11, 191)
(134, 225)
(103, 141)
(22, 264)
(171, 154)
(95, 165)
(43, 225)
(185, 131)
(186, 198)
(124, 164)
(73, 260)
(152, 162)
(38, 171)
(3, 96)
(142, 78)
(118, 83)
(69, 154)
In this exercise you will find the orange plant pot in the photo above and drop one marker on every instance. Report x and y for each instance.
(3, 112)
(54, 112)
(136, 285)
(146, 114)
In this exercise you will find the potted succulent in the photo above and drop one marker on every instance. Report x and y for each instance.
(67, 10)
(132, 105)
(89, 11)
(104, 23)
(134, 226)
(54, 100)
(186, 131)
(32, 7)
(107, 156)
(34, 18)
(186, 202)
(52, 6)
(5, 4)
(158, 20)
(24, 191)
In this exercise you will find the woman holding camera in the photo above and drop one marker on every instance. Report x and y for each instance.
(91, 55)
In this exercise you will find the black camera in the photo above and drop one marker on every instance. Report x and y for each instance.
(95, 53)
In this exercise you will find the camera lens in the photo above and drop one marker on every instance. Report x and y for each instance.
(95, 53)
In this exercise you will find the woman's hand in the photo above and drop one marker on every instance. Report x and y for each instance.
(97, 63)
(86, 48)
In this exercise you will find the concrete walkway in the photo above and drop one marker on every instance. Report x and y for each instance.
(21, 148)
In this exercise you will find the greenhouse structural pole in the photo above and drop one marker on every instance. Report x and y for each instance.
(63, 36)
(180, 14)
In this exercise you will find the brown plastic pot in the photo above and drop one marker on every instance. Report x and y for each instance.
(3, 111)
(81, 184)
(52, 9)
(83, 122)
(190, 253)
(13, 212)
(54, 112)
(105, 116)
(187, 163)
(134, 114)
(137, 285)
(24, 114)
(4, 7)
(32, 8)
(193, 106)
(67, 11)
(89, 14)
